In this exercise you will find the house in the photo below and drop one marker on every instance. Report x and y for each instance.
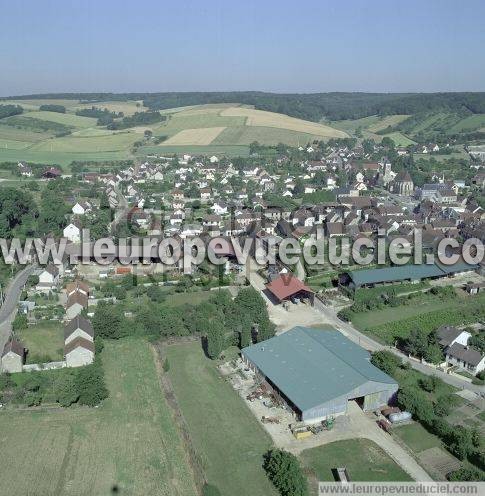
(48, 278)
(219, 208)
(465, 358)
(25, 170)
(79, 327)
(288, 287)
(77, 286)
(80, 208)
(73, 232)
(449, 335)
(51, 173)
(317, 372)
(76, 303)
(13, 357)
(205, 194)
(79, 352)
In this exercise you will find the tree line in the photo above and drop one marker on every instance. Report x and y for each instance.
(310, 106)
(220, 321)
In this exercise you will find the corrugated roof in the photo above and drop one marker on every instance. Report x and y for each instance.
(313, 366)
(403, 272)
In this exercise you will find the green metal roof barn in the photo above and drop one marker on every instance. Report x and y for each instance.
(318, 370)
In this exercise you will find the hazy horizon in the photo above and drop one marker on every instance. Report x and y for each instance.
(277, 47)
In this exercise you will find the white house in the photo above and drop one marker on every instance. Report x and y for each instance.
(219, 208)
(465, 358)
(73, 232)
(48, 278)
(449, 335)
(79, 352)
(213, 159)
(80, 208)
(13, 357)
(76, 303)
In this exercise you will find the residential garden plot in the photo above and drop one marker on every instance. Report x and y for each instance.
(227, 437)
(200, 136)
(271, 119)
(129, 445)
(364, 460)
(45, 341)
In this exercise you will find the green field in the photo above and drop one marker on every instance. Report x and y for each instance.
(90, 144)
(45, 339)
(129, 445)
(226, 435)
(229, 150)
(364, 460)
(471, 123)
(399, 139)
(424, 304)
(245, 135)
(66, 119)
(31, 136)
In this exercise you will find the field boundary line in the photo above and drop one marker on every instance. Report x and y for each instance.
(168, 392)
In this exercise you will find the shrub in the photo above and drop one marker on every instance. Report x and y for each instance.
(210, 490)
(284, 471)
(386, 361)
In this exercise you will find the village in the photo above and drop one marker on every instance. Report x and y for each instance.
(340, 314)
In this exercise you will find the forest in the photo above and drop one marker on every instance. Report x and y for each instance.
(310, 106)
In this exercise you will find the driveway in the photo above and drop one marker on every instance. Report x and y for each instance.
(9, 306)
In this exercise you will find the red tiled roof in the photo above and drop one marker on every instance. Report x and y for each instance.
(286, 285)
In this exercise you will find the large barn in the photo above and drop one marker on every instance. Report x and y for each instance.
(317, 371)
(409, 272)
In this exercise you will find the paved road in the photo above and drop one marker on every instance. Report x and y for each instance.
(121, 210)
(284, 318)
(9, 306)
(366, 342)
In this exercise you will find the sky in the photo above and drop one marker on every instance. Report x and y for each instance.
(223, 45)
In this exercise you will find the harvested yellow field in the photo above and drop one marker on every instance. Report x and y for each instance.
(271, 119)
(201, 136)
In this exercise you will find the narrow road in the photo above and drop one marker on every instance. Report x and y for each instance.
(368, 343)
(329, 316)
(9, 306)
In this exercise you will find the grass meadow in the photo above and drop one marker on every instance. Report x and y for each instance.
(228, 438)
(129, 445)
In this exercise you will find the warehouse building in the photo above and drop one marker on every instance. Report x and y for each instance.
(318, 371)
(410, 272)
